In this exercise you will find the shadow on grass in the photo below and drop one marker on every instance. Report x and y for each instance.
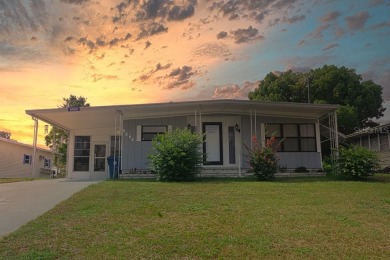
(380, 178)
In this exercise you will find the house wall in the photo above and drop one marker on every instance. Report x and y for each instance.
(12, 157)
(378, 141)
(98, 136)
(290, 160)
(135, 152)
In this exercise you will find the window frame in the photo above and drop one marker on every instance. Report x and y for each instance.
(46, 163)
(27, 159)
(153, 133)
(82, 149)
(299, 137)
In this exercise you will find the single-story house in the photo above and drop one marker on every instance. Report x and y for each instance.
(17, 160)
(376, 139)
(126, 131)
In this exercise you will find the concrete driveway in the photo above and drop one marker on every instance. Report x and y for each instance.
(21, 202)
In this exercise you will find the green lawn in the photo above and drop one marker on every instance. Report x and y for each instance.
(289, 218)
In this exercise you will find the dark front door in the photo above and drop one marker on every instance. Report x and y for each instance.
(212, 145)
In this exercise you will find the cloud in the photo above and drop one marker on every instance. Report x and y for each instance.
(178, 13)
(212, 50)
(152, 9)
(179, 78)
(158, 67)
(222, 35)
(246, 35)
(147, 44)
(357, 22)
(330, 17)
(183, 73)
(376, 2)
(235, 91)
(151, 29)
(87, 43)
(294, 19)
(330, 46)
(97, 77)
(300, 64)
(76, 2)
(252, 10)
(380, 25)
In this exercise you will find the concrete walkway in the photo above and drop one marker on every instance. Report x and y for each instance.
(21, 202)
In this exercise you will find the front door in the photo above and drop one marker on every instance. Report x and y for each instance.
(99, 167)
(212, 146)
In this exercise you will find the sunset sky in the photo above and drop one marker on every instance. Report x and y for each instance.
(142, 51)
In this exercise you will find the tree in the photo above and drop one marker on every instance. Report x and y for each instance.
(57, 139)
(4, 134)
(360, 101)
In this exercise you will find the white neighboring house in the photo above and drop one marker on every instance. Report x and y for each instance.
(16, 160)
(376, 139)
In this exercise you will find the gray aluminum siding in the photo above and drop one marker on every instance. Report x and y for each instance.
(291, 160)
(135, 152)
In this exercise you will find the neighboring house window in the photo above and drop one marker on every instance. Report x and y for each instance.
(114, 146)
(46, 163)
(27, 159)
(296, 137)
(82, 147)
(148, 132)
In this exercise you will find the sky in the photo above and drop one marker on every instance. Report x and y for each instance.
(144, 51)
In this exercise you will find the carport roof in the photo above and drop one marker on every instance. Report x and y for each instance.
(105, 116)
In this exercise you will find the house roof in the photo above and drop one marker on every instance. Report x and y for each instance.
(105, 116)
(14, 142)
(381, 129)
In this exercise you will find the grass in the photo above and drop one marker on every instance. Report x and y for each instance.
(288, 218)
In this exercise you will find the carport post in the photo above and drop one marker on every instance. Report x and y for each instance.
(34, 146)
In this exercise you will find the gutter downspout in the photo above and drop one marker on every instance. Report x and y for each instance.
(34, 146)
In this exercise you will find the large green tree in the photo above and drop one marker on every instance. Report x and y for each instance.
(360, 101)
(57, 138)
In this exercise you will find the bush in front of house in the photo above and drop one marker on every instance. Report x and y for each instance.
(176, 155)
(301, 169)
(263, 161)
(356, 162)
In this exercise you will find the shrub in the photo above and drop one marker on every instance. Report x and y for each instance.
(356, 162)
(263, 161)
(301, 169)
(176, 155)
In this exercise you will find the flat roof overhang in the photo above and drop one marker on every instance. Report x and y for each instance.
(105, 116)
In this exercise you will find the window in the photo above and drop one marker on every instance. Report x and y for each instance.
(46, 163)
(27, 159)
(148, 132)
(294, 137)
(308, 137)
(274, 130)
(82, 147)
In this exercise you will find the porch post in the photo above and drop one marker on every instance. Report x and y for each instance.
(121, 141)
(34, 146)
(337, 133)
(262, 134)
(255, 123)
(251, 129)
